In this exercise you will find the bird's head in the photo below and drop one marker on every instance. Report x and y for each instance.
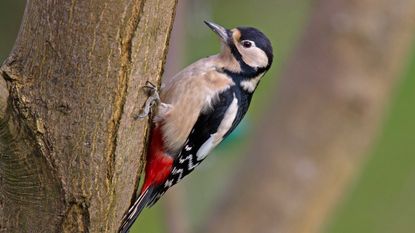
(247, 45)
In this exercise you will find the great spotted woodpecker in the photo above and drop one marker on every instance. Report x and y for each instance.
(198, 108)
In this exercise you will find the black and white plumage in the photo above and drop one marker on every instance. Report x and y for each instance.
(200, 107)
(225, 115)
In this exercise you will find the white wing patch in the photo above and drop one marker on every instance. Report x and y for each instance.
(205, 149)
(250, 85)
(223, 128)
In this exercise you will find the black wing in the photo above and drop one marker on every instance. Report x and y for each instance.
(206, 125)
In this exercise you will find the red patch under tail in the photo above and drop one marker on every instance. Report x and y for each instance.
(159, 164)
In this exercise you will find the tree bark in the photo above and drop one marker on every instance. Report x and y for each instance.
(70, 151)
(329, 106)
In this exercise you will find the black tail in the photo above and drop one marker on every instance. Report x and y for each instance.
(135, 210)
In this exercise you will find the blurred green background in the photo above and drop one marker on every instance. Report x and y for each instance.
(382, 199)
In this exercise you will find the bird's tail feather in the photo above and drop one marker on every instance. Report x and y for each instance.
(135, 209)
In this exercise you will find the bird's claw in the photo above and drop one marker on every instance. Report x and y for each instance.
(152, 99)
(150, 87)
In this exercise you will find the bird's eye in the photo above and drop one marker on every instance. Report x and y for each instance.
(246, 43)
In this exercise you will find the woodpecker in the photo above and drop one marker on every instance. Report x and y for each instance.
(198, 108)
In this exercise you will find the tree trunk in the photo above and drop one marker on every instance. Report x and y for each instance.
(329, 106)
(70, 151)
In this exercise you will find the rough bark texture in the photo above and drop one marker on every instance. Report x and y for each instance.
(70, 151)
(328, 108)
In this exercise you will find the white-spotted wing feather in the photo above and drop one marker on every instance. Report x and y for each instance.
(223, 128)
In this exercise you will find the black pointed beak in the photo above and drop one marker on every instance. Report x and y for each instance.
(222, 32)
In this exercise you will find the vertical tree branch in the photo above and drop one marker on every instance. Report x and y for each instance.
(70, 149)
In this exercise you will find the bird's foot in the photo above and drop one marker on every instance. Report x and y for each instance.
(153, 98)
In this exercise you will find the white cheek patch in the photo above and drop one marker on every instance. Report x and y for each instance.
(251, 84)
(253, 56)
(223, 128)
